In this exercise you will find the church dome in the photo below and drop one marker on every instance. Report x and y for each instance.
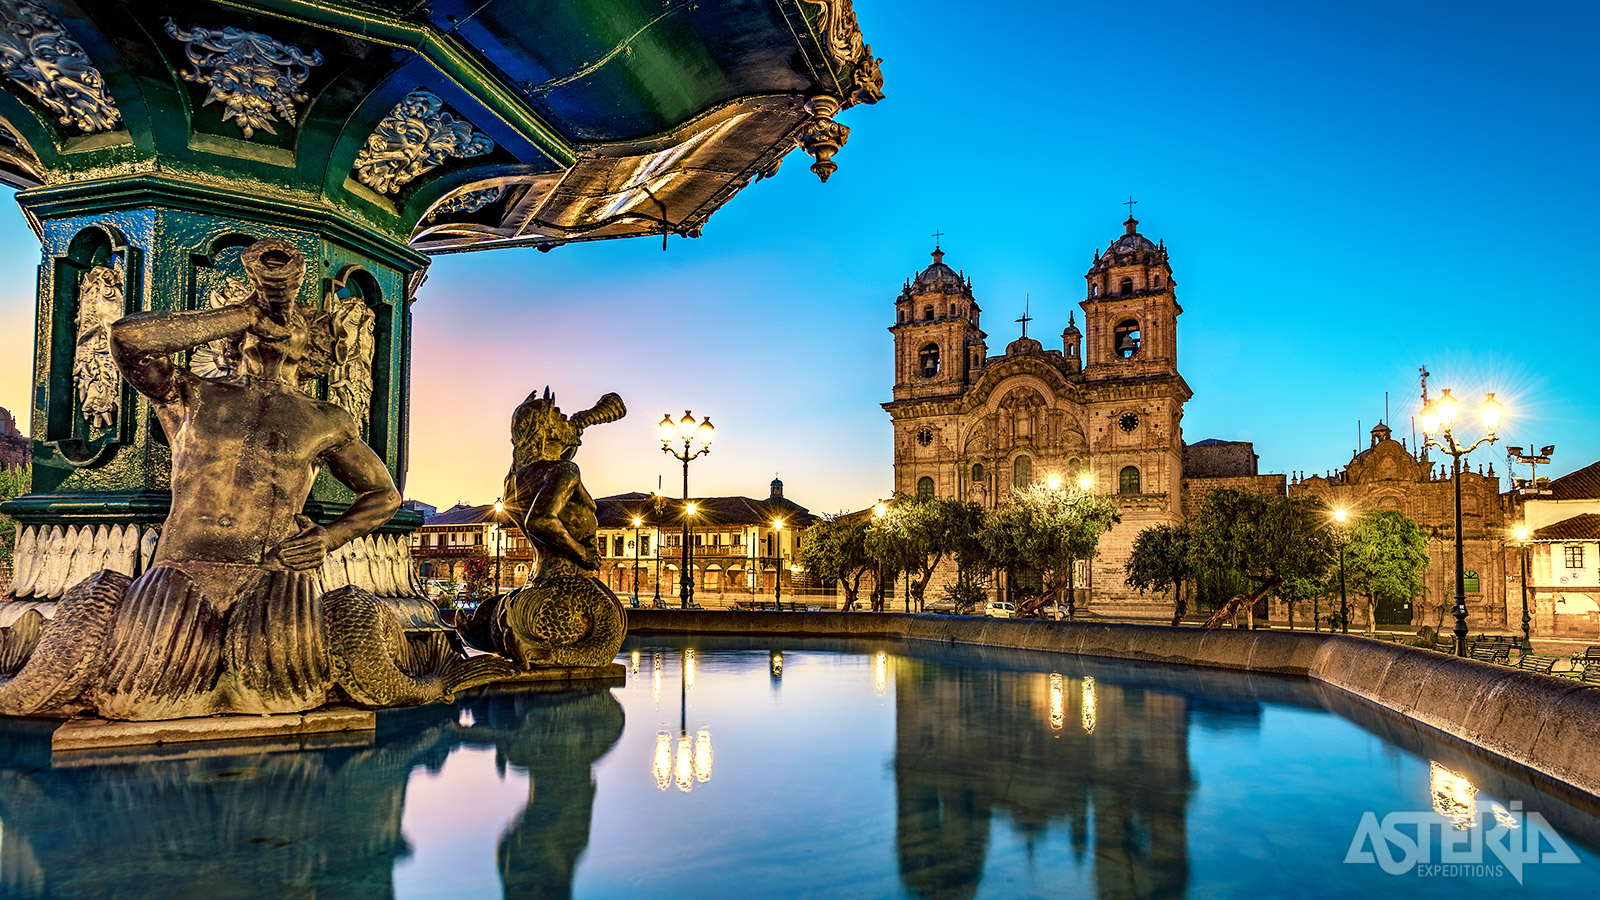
(1129, 248)
(938, 276)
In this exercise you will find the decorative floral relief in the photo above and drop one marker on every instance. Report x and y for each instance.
(469, 202)
(94, 374)
(37, 53)
(416, 136)
(350, 380)
(256, 78)
(842, 36)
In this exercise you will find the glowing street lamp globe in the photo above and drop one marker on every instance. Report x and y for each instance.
(1490, 412)
(669, 429)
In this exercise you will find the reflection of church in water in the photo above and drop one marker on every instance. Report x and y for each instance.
(1107, 763)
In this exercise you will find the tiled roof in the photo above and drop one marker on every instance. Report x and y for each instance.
(1583, 484)
(462, 514)
(1578, 528)
(618, 511)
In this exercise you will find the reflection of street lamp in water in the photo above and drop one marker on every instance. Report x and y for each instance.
(692, 761)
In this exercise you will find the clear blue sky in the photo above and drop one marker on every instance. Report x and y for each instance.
(1347, 191)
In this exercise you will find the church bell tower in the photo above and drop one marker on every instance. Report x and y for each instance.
(1131, 311)
(938, 346)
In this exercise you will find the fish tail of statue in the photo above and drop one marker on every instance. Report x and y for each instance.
(67, 653)
(165, 651)
(373, 664)
(275, 657)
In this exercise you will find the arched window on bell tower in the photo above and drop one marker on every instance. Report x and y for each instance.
(1127, 286)
(1125, 339)
(928, 360)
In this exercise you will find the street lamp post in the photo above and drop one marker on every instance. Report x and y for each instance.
(777, 571)
(655, 500)
(879, 510)
(1522, 557)
(689, 432)
(1344, 607)
(636, 523)
(499, 508)
(1439, 417)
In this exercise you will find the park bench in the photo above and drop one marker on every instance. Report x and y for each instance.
(1591, 675)
(1534, 662)
(1590, 655)
(1491, 651)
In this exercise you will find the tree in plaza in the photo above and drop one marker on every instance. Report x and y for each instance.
(1267, 541)
(916, 535)
(835, 550)
(1046, 530)
(13, 484)
(1385, 558)
(1161, 560)
(475, 572)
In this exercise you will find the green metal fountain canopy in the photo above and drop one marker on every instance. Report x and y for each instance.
(450, 125)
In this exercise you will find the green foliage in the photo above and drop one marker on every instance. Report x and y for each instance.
(835, 550)
(1385, 556)
(1266, 541)
(1046, 531)
(917, 535)
(1161, 561)
(13, 484)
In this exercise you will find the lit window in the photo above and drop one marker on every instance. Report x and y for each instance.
(1128, 480)
(1471, 581)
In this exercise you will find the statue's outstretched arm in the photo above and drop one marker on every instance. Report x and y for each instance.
(142, 342)
(358, 468)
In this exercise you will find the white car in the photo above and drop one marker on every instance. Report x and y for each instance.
(1000, 609)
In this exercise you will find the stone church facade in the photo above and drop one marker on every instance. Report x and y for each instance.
(1387, 475)
(1108, 402)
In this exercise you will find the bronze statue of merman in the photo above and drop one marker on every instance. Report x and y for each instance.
(232, 616)
(565, 616)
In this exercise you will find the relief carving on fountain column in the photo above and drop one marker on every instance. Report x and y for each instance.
(37, 53)
(94, 372)
(417, 136)
(256, 78)
(350, 380)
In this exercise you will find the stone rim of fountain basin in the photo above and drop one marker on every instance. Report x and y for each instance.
(1544, 726)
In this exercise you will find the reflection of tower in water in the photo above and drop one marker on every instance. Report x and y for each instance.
(290, 820)
(973, 742)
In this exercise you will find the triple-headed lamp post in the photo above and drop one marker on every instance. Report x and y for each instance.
(1439, 418)
(688, 431)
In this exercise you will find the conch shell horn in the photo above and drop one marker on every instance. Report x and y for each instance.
(609, 409)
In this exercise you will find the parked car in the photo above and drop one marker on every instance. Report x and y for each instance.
(1000, 609)
(943, 606)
